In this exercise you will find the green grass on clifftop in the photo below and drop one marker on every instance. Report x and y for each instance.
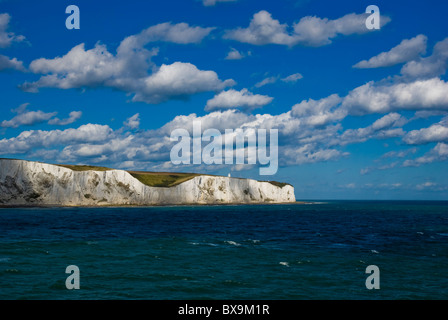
(83, 167)
(152, 179)
(155, 179)
(162, 179)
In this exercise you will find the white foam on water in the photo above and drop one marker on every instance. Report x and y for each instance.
(204, 243)
(233, 243)
(284, 263)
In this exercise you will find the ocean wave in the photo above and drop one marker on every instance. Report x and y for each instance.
(204, 244)
(233, 243)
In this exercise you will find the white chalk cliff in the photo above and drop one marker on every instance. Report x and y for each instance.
(30, 183)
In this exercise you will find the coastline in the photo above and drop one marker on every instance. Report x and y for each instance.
(157, 205)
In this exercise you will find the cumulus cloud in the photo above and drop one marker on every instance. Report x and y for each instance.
(263, 29)
(236, 55)
(438, 153)
(150, 149)
(407, 50)
(28, 118)
(7, 63)
(315, 31)
(73, 116)
(90, 68)
(128, 70)
(300, 142)
(309, 31)
(319, 112)
(232, 99)
(310, 153)
(427, 94)
(7, 38)
(399, 154)
(303, 136)
(435, 133)
(27, 140)
(388, 126)
(181, 33)
(133, 122)
(429, 67)
(178, 81)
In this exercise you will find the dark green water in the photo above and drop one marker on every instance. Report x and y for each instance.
(315, 251)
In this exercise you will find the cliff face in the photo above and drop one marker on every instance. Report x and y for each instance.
(33, 183)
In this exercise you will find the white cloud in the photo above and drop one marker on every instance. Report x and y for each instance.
(236, 55)
(429, 67)
(220, 120)
(407, 50)
(435, 133)
(438, 153)
(292, 77)
(319, 112)
(309, 31)
(232, 99)
(27, 140)
(263, 29)
(367, 170)
(383, 128)
(113, 145)
(418, 95)
(425, 185)
(399, 154)
(7, 38)
(73, 116)
(26, 118)
(89, 68)
(181, 33)
(128, 69)
(310, 153)
(178, 81)
(7, 63)
(265, 81)
(209, 3)
(273, 79)
(315, 31)
(133, 122)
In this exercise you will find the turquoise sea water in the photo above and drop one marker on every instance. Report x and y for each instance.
(312, 251)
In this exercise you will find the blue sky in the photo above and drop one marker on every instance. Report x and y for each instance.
(361, 114)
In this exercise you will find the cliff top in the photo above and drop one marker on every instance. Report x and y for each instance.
(152, 179)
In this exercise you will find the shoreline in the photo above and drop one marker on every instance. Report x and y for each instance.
(153, 205)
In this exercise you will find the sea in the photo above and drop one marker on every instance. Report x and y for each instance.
(321, 250)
